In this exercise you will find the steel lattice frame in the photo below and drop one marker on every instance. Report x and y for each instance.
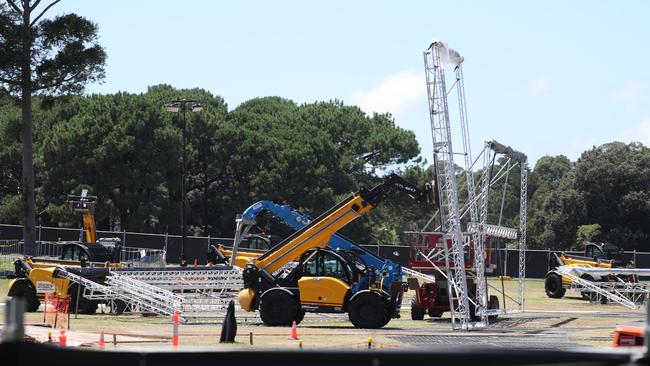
(492, 148)
(478, 236)
(447, 187)
(523, 203)
(157, 291)
(180, 279)
(629, 294)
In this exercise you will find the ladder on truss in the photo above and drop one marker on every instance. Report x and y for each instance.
(443, 157)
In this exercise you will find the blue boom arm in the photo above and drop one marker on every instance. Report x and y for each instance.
(390, 270)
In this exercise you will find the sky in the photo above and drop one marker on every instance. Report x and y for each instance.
(545, 77)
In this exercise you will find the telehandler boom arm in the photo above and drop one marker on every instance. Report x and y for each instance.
(319, 231)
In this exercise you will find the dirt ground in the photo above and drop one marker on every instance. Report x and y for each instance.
(566, 323)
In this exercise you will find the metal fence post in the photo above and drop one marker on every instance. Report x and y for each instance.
(165, 248)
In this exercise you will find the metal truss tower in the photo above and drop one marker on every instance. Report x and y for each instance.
(481, 228)
(435, 58)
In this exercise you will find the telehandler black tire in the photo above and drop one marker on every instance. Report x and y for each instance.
(493, 304)
(553, 286)
(368, 310)
(85, 306)
(23, 289)
(434, 313)
(278, 308)
(417, 313)
(300, 316)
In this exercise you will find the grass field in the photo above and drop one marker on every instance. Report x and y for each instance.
(560, 323)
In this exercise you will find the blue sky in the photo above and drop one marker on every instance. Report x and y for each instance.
(546, 77)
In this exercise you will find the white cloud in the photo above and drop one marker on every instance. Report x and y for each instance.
(540, 85)
(637, 133)
(394, 94)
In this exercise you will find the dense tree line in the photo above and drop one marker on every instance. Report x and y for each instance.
(127, 150)
(603, 196)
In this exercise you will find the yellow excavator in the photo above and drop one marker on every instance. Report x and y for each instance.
(300, 274)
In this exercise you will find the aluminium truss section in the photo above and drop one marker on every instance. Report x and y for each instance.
(523, 205)
(417, 274)
(132, 294)
(495, 231)
(477, 236)
(483, 228)
(150, 298)
(435, 57)
(206, 279)
(616, 288)
(92, 290)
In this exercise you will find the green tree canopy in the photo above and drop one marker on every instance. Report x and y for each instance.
(48, 57)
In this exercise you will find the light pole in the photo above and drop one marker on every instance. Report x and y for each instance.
(181, 106)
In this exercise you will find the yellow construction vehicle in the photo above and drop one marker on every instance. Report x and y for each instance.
(33, 276)
(597, 255)
(251, 247)
(300, 274)
(33, 280)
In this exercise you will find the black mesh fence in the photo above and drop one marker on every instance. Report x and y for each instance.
(507, 261)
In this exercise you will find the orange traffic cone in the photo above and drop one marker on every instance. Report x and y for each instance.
(196, 262)
(175, 321)
(294, 332)
(102, 344)
(62, 339)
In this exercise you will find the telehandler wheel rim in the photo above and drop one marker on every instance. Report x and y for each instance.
(553, 286)
(368, 311)
(278, 308)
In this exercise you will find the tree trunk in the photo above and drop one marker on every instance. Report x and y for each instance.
(29, 230)
(29, 202)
